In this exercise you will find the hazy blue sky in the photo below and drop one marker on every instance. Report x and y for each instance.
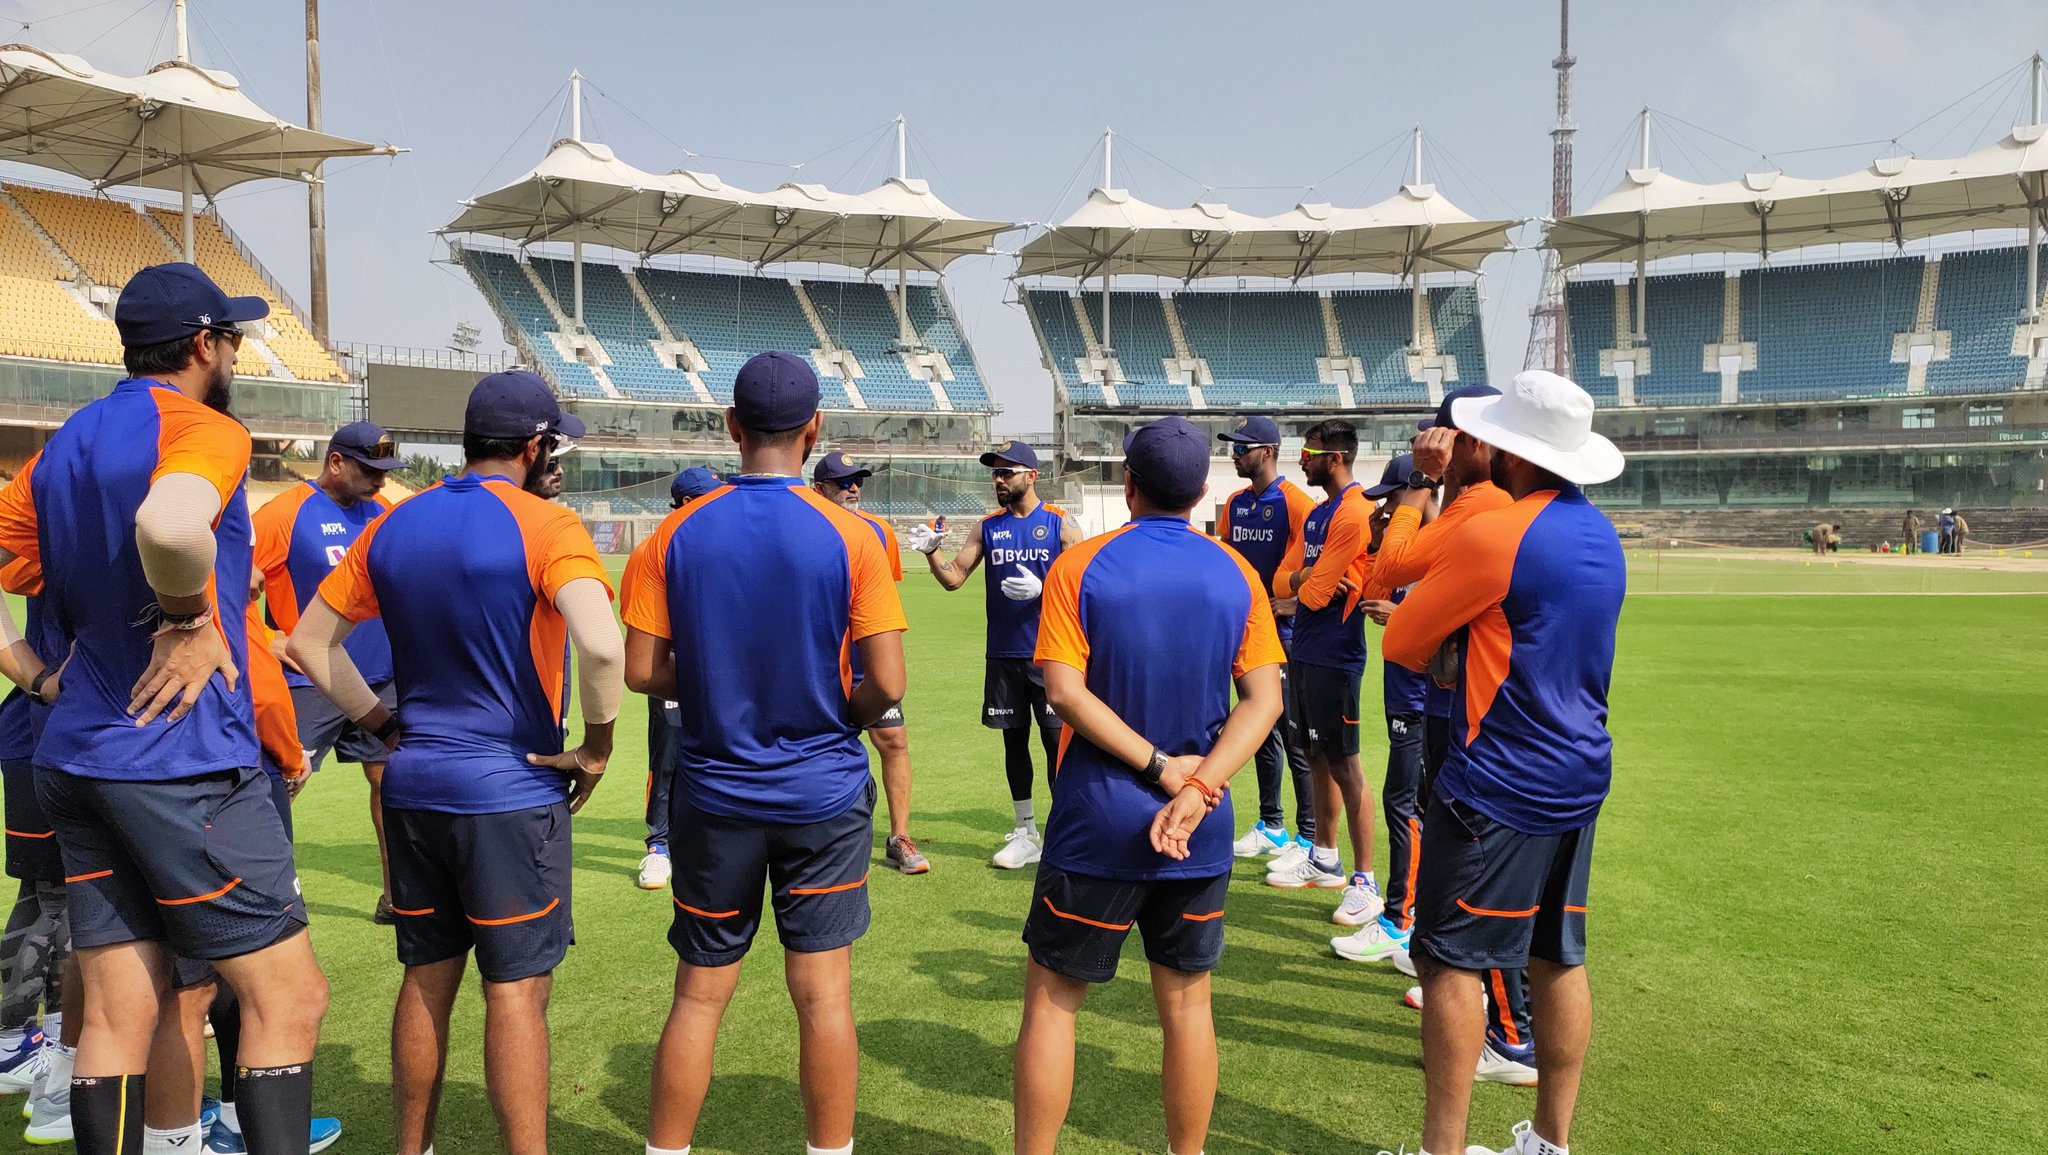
(1250, 102)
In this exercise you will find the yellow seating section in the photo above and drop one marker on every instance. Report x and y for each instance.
(37, 317)
(290, 340)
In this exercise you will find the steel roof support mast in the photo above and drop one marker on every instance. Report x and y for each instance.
(2039, 207)
(1108, 350)
(184, 54)
(905, 336)
(316, 189)
(1549, 337)
(576, 134)
(1642, 277)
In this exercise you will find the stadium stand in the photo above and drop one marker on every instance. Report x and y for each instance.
(288, 338)
(1454, 311)
(931, 314)
(1828, 327)
(1143, 344)
(730, 318)
(1261, 348)
(609, 308)
(1980, 295)
(1063, 343)
(42, 319)
(1375, 325)
(523, 311)
(858, 317)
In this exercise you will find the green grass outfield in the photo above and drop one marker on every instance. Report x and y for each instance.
(1817, 920)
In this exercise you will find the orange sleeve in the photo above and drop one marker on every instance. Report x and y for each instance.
(194, 439)
(1260, 645)
(347, 587)
(561, 551)
(23, 576)
(272, 526)
(1223, 518)
(876, 608)
(1448, 599)
(1342, 550)
(1391, 565)
(643, 591)
(1060, 637)
(891, 547)
(1297, 557)
(18, 514)
(1299, 506)
(277, 722)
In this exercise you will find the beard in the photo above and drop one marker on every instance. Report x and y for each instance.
(537, 480)
(1498, 470)
(220, 389)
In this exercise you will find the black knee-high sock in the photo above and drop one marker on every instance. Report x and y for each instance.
(106, 1114)
(226, 1017)
(1049, 737)
(1017, 763)
(275, 1105)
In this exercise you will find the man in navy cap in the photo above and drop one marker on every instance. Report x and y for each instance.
(839, 480)
(1262, 521)
(148, 766)
(1146, 631)
(1020, 541)
(301, 535)
(749, 630)
(479, 788)
(664, 718)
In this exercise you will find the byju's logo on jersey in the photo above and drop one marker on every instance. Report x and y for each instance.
(1038, 532)
(334, 555)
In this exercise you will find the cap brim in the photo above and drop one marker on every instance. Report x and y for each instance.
(570, 426)
(1381, 490)
(245, 309)
(1425, 425)
(993, 458)
(363, 458)
(1590, 464)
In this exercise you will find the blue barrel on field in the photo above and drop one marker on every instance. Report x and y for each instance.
(1930, 541)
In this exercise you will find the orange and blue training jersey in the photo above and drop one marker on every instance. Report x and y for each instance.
(761, 588)
(73, 508)
(1329, 628)
(1540, 586)
(277, 719)
(1161, 619)
(465, 576)
(1263, 526)
(21, 717)
(301, 535)
(1008, 542)
(887, 536)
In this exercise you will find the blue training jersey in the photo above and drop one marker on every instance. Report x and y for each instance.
(301, 535)
(1263, 526)
(1008, 542)
(1406, 691)
(1329, 628)
(1161, 619)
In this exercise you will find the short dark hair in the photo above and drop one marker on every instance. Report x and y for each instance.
(158, 360)
(479, 448)
(776, 438)
(1337, 435)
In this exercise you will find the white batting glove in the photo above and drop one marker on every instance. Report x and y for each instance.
(924, 539)
(1024, 587)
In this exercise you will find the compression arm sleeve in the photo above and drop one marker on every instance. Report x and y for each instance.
(174, 533)
(586, 608)
(316, 647)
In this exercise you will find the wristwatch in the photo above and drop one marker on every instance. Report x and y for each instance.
(1420, 480)
(1154, 768)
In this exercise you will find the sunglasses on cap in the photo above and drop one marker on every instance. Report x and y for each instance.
(1240, 448)
(384, 448)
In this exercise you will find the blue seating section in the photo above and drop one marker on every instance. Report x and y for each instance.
(1589, 313)
(931, 314)
(1825, 329)
(1138, 333)
(503, 279)
(858, 317)
(1684, 317)
(1455, 312)
(1375, 325)
(1054, 312)
(730, 318)
(1982, 295)
(1269, 340)
(610, 311)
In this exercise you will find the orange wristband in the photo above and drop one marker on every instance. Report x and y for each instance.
(1209, 793)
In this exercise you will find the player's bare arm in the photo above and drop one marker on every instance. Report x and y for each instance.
(1258, 708)
(315, 647)
(18, 662)
(954, 572)
(650, 665)
(1070, 533)
(585, 605)
(883, 682)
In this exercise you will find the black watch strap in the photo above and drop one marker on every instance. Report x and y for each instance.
(1420, 480)
(383, 733)
(35, 688)
(1154, 768)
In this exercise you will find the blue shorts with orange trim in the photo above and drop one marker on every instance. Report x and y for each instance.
(818, 872)
(1325, 704)
(202, 864)
(31, 840)
(1078, 923)
(495, 882)
(1489, 896)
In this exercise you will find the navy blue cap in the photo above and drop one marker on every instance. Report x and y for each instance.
(1015, 453)
(695, 481)
(1252, 431)
(515, 403)
(361, 440)
(835, 467)
(1443, 411)
(775, 391)
(165, 302)
(1393, 477)
(571, 426)
(1169, 460)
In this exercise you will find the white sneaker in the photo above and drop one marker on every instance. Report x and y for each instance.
(1523, 1142)
(655, 870)
(49, 1105)
(1303, 871)
(1368, 944)
(1495, 1067)
(1405, 963)
(1413, 998)
(1021, 847)
(1361, 904)
(1287, 856)
(1261, 839)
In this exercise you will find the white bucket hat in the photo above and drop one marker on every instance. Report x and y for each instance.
(1545, 419)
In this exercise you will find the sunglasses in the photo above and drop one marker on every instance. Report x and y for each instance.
(1240, 449)
(1307, 453)
(849, 483)
(1006, 474)
(233, 335)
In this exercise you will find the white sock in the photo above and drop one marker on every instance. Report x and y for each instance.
(1538, 1145)
(230, 1119)
(653, 1150)
(1325, 857)
(175, 1141)
(1023, 810)
(846, 1150)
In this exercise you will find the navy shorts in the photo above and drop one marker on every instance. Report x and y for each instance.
(1325, 705)
(324, 728)
(495, 882)
(1078, 922)
(818, 873)
(1013, 695)
(202, 863)
(1489, 896)
(31, 841)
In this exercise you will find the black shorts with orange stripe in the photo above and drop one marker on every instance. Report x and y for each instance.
(498, 883)
(1325, 704)
(203, 864)
(1489, 896)
(31, 841)
(1078, 922)
(816, 871)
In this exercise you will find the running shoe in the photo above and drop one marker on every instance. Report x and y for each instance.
(1294, 850)
(1361, 903)
(23, 1061)
(384, 915)
(1413, 998)
(902, 854)
(655, 869)
(1522, 1141)
(49, 1105)
(1403, 962)
(225, 1140)
(1498, 1066)
(209, 1113)
(1394, 930)
(1368, 943)
(1296, 873)
(1261, 839)
(1021, 847)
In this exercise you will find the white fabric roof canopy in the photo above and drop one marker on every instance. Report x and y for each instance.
(1653, 215)
(581, 192)
(1417, 230)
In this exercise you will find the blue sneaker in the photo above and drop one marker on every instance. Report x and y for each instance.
(1260, 840)
(23, 1062)
(225, 1140)
(209, 1114)
(1394, 931)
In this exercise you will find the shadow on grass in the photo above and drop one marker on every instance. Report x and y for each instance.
(356, 1088)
